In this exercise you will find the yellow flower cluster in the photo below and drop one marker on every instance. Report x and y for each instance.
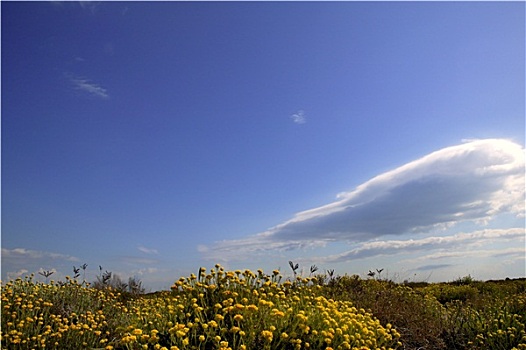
(42, 316)
(246, 310)
(504, 329)
(219, 309)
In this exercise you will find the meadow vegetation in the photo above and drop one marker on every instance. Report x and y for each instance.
(219, 309)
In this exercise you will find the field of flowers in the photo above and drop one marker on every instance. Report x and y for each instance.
(218, 309)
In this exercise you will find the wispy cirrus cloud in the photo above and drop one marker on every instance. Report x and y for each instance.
(466, 251)
(147, 250)
(28, 254)
(89, 87)
(470, 182)
(20, 261)
(391, 247)
(299, 117)
(134, 260)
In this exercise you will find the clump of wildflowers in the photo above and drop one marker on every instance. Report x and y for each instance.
(252, 310)
(247, 310)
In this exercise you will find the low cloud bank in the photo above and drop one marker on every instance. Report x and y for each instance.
(470, 182)
(372, 249)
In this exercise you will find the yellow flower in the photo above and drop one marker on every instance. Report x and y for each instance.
(252, 307)
(267, 335)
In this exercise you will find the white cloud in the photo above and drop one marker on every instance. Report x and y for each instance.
(145, 271)
(28, 254)
(19, 261)
(371, 249)
(16, 274)
(89, 87)
(133, 260)
(147, 250)
(299, 117)
(470, 182)
(465, 251)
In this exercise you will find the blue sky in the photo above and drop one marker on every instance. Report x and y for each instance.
(152, 138)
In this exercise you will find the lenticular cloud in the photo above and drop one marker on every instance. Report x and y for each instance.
(473, 181)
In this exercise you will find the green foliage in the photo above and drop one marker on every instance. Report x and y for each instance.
(216, 310)
(245, 310)
(494, 324)
(56, 315)
(417, 316)
(461, 281)
(446, 293)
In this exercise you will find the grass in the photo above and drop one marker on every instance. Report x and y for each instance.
(218, 309)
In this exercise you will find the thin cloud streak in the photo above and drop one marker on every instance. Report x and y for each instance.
(28, 254)
(133, 260)
(89, 87)
(470, 182)
(433, 267)
(372, 249)
(148, 250)
(461, 252)
(474, 253)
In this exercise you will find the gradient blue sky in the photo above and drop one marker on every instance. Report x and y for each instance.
(152, 138)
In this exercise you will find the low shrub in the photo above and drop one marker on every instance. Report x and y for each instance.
(235, 310)
(216, 310)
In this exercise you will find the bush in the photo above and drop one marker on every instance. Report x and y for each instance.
(245, 310)
(446, 293)
(417, 316)
(218, 310)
